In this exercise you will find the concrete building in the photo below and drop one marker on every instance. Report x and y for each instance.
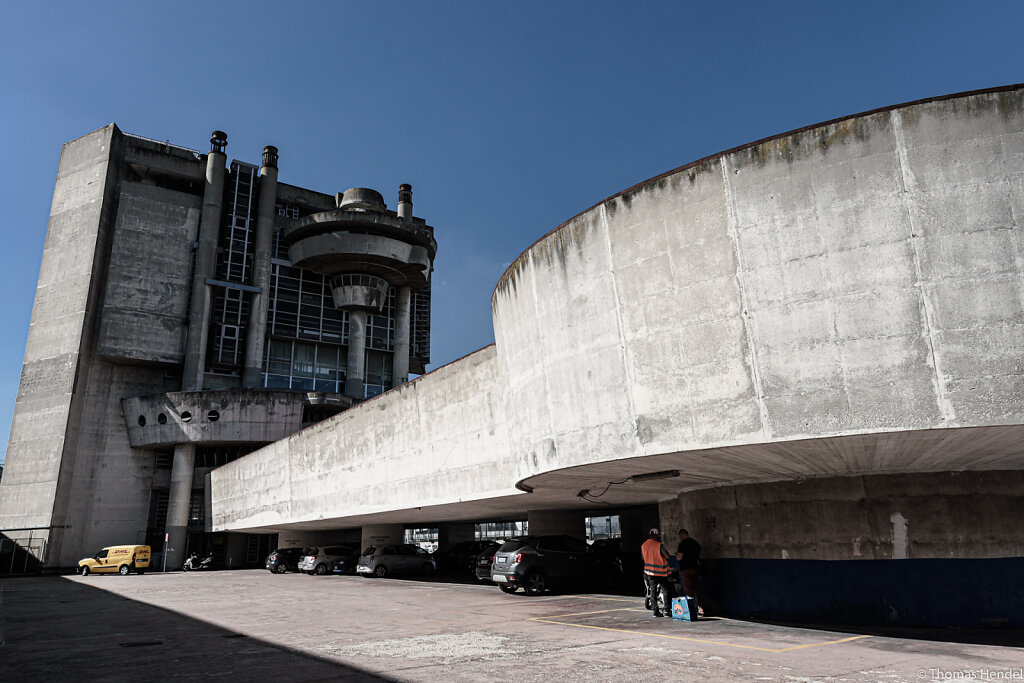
(189, 311)
(808, 350)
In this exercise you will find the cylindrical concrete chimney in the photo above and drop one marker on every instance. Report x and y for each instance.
(405, 201)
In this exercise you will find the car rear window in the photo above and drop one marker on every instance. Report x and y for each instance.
(369, 550)
(516, 543)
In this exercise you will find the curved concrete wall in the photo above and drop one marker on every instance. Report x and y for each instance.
(441, 439)
(862, 276)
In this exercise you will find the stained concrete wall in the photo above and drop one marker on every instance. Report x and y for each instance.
(241, 416)
(875, 517)
(865, 275)
(439, 439)
(146, 303)
(43, 444)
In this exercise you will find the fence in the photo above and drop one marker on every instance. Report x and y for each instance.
(24, 554)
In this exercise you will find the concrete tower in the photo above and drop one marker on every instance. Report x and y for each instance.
(365, 250)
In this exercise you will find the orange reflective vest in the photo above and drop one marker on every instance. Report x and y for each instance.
(655, 563)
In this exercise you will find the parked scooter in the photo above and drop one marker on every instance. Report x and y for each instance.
(193, 563)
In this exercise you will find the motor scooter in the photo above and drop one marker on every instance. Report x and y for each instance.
(193, 563)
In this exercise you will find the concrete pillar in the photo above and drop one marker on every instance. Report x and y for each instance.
(405, 201)
(403, 311)
(355, 373)
(382, 534)
(265, 217)
(206, 262)
(178, 503)
(551, 522)
(454, 532)
(635, 523)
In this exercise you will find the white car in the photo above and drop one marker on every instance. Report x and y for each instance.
(320, 561)
(405, 558)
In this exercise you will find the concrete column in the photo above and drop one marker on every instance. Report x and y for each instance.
(177, 504)
(403, 311)
(634, 523)
(405, 201)
(550, 522)
(454, 532)
(355, 373)
(206, 262)
(382, 534)
(265, 217)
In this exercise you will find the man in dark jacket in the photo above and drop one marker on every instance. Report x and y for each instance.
(688, 555)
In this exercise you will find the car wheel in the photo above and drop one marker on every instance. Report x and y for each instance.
(321, 569)
(84, 571)
(428, 569)
(281, 568)
(535, 583)
(123, 570)
(505, 588)
(380, 571)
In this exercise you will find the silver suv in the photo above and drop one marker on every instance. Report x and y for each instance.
(405, 558)
(319, 561)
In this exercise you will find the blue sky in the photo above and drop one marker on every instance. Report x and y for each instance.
(507, 118)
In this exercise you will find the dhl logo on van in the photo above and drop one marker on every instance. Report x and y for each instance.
(122, 551)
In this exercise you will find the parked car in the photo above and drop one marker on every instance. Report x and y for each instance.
(460, 558)
(537, 563)
(395, 559)
(320, 560)
(285, 559)
(346, 564)
(484, 560)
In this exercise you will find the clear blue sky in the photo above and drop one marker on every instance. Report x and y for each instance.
(507, 118)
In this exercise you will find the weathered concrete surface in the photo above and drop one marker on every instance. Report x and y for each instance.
(242, 416)
(441, 439)
(869, 517)
(254, 625)
(45, 431)
(859, 277)
(146, 303)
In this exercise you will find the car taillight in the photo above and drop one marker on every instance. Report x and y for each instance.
(519, 557)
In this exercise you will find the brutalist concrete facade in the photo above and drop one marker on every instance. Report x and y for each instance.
(808, 350)
(172, 332)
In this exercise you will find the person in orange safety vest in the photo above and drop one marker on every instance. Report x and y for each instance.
(656, 573)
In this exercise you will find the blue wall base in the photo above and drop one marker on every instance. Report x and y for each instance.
(962, 593)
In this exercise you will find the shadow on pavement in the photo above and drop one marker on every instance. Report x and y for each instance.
(55, 629)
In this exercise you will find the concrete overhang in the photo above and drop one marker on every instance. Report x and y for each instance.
(413, 231)
(933, 450)
(398, 262)
(219, 416)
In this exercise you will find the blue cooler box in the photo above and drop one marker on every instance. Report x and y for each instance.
(684, 609)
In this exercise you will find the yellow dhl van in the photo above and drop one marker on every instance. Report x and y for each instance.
(117, 558)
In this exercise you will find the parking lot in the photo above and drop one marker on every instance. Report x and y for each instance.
(254, 625)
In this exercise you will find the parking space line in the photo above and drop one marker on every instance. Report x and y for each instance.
(552, 620)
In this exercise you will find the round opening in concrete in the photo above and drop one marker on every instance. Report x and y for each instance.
(213, 416)
(186, 416)
(142, 420)
(161, 418)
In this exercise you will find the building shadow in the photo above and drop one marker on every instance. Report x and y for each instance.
(55, 629)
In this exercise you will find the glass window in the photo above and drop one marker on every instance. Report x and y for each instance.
(302, 365)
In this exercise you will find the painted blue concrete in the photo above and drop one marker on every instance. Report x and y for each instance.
(966, 593)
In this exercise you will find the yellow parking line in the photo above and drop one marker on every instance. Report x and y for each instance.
(591, 597)
(551, 620)
(580, 614)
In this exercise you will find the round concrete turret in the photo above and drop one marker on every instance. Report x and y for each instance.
(362, 198)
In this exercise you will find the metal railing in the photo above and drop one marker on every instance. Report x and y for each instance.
(20, 556)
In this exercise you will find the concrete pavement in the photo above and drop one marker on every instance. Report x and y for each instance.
(252, 625)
